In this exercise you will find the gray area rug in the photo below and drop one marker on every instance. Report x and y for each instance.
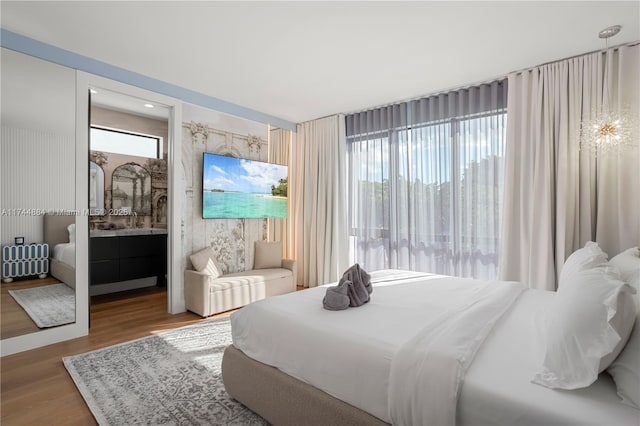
(173, 378)
(49, 305)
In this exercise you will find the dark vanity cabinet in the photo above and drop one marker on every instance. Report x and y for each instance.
(104, 260)
(122, 258)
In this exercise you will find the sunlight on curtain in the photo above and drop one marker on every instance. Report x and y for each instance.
(279, 152)
(317, 188)
(425, 183)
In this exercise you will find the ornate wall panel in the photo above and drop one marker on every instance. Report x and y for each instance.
(231, 239)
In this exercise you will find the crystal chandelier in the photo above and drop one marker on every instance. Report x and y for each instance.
(605, 132)
(608, 129)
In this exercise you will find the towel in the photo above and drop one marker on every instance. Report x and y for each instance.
(336, 298)
(360, 285)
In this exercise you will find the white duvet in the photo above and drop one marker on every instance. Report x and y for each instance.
(400, 357)
(427, 371)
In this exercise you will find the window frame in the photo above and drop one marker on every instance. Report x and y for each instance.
(158, 139)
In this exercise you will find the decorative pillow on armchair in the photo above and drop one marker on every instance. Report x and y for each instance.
(204, 261)
(267, 255)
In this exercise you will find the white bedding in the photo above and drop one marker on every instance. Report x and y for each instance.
(65, 253)
(497, 388)
(348, 354)
(366, 356)
(427, 370)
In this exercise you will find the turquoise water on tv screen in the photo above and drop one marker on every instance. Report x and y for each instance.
(234, 205)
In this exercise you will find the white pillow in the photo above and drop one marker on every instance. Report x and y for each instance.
(625, 370)
(267, 255)
(590, 256)
(628, 263)
(72, 232)
(204, 261)
(589, 324)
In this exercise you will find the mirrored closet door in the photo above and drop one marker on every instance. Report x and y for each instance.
(38, 197)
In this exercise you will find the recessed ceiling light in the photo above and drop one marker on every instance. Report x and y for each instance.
(610, 31)
(93, 91)
(148, 105)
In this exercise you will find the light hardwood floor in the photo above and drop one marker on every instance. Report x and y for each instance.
(36, 388)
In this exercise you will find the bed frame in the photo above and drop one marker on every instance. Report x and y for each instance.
(55, 232)
(282, 399)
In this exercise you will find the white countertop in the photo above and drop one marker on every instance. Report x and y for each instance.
(126, 232)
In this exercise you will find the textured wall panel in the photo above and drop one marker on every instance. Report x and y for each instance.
(37, 175)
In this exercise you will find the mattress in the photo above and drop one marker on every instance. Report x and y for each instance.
(348, 355)
(65, 253)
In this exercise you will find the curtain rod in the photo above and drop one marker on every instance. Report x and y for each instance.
(415, 98)
(491, 80)
(629, 44)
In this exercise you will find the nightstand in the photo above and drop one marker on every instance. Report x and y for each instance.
(24, 261)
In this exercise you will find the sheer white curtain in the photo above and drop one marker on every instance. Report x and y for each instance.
(425, 183)
(372, 184)
(319, 204)
(558, 197)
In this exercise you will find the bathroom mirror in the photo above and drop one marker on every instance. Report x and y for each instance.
(131, 189)
(96, 189)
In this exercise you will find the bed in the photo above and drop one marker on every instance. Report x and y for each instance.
(63, 251)
(341, 367)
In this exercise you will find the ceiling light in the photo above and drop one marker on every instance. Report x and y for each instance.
(610, 31)
(606, 129)
(148, 105)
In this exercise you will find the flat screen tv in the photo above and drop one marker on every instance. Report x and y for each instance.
(234, 188)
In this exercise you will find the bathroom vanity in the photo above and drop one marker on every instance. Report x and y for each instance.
(122, 259)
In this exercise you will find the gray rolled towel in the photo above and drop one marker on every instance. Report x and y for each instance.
(336, 298)
(360, 287)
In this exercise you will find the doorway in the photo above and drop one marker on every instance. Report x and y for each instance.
(128, 194)
(175, 182)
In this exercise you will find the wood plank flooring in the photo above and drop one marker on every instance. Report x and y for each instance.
(36, 388)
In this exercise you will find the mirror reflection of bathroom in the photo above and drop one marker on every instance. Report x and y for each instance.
(128, 150)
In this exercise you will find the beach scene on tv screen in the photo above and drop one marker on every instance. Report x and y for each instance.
(239, 188)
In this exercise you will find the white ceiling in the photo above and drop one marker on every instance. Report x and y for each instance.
(304, 60)
(129, 104)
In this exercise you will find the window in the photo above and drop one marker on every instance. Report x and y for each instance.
(425, 193)
(123, 142)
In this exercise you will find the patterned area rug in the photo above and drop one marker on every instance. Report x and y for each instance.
(173, 378)
(49, 305)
